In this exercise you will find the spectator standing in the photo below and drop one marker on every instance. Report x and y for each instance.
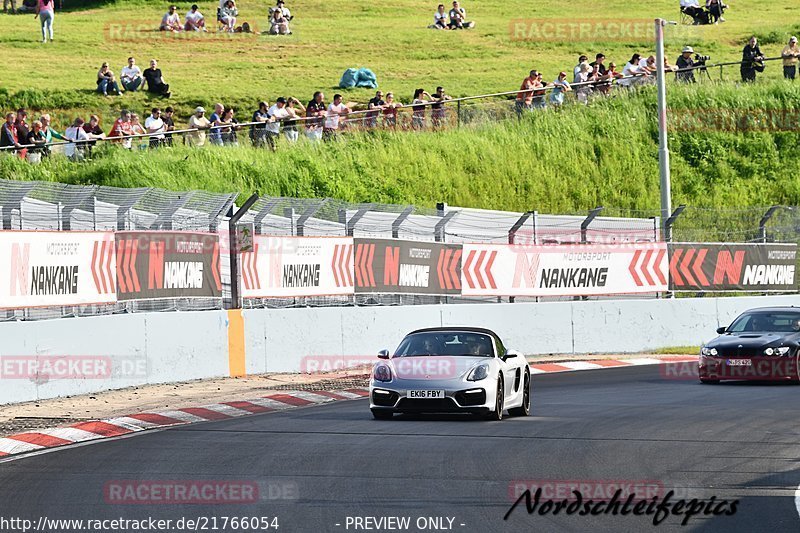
(315, 112)
(632, 72)
(374, 107)
(93, 132)
(49, 132)
(599, 62)
(390, 109)
(685, 62)
(336, 110)
(458, 18)
(539, 100)
(583, 90)
(440, 19)
(155, 80)
(258, 132)
(295, 110)
(106, 81)
(215, 133)
(524, 98)
(122, 128)
(790, 55)
(8, 133)
(131, 74)
(37, 138)
(195, 21)
(604, 86)
(154, 124)
(45, 10)
(169, 124)
(77, 138)
(200, 122)
(22, 127)
(438, 111)
(171, 21)
(228, 14)
(418, 107)
(752, 60)
(560, 87)
(229, 127)
(138, 129)
(278, 114)
(577, 68)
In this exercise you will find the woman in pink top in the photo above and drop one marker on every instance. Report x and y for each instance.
(45, 12)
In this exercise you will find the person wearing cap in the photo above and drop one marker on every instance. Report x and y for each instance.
(278, 114)
(279, 17)
(195, 21)
(199, 122)
(790, 55)
(171, 21)
(684, 62)
(560, 86)
(106, 81)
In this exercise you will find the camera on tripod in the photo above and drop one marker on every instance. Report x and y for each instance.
(701, 60)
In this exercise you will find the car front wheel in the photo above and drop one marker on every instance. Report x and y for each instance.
(497, 414)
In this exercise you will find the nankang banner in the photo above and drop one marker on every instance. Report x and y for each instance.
(407, 267)
(287, 267)
(167, 264)
(50, 268)
(732, 267)
(563, 270)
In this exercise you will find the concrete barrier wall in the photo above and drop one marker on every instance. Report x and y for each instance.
(166, 347)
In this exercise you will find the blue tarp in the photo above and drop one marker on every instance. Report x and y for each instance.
(362, 77)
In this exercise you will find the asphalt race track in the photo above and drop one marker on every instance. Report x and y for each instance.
(318, 466)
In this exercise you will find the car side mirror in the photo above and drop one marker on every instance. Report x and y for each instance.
(510, 354)
(383, 354)
(722, 329)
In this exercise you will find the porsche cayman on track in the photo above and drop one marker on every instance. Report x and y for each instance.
(761, 344)
(451, 370)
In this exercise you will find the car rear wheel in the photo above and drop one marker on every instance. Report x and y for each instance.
(497, 414)
(525, 408)
(381, 414)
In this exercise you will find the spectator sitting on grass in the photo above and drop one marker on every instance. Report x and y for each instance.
(790, 55)
(106, 81)
(37, 138)
(715, 10)
(560, 86)
(199, 122)
(171, 21)
(195, 21)
(122, 128)
(285, 14)
(440, 19)
(295, 110)
(228, 14)
(132, 78)
(693, 9)
(315, 111)
(335, 110)
(277, 116)
(155, 80)
(155, 124)
(438, 111)
(78, 138)
(8, 133)
(418, 108)
(278, 24)
(458, 18)
(390, 109)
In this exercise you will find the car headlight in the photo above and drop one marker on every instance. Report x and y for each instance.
(382, 373)
(709, 352)
(781, 350)
(479, 372)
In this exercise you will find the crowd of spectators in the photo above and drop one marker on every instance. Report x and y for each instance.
(455, 19)
(133, 79)
(227, 19)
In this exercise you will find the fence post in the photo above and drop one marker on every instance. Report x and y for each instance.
(512, 234)
(233, 246)
(670, 221)
(438, 231)
(350, 225)
(308, 213)
(458, 114)
(396, 223)
(288, 212)
(588, 220)
(762, 224)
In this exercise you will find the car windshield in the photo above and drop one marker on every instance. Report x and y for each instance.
(773, 322)
(453, 343)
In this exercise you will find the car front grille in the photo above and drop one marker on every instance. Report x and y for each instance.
(474, 398)
(385, 400)
(426, 404)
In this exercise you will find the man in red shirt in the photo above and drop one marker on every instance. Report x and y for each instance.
(122, 127)
(525, 96)
(8, 133)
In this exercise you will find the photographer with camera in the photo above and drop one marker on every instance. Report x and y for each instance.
(685, 62)
(752, 60)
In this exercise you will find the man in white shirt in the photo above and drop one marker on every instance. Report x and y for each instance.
(195, 21)
(277, 115)
(155, 124)
(632, 68)
(132, 76)
(171, 21)
(76, 134)
(458, 18)
(440, 19)
(200, 123)
(335, 110)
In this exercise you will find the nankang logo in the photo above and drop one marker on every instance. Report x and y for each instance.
(573, 277)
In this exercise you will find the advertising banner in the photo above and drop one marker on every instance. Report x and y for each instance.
(732, 267)
(287, 267)
(49, 268)
(167, 264)
(407, 267)
(563, 270)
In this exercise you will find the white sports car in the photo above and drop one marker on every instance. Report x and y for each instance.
(445, 370)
